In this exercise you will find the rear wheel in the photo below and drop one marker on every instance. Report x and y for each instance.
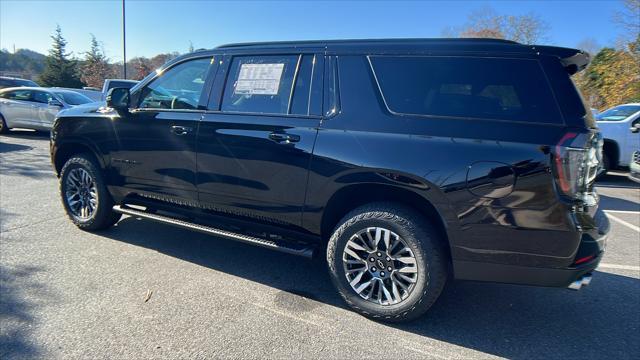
(84, 194)
(606, 166)
(387, 262)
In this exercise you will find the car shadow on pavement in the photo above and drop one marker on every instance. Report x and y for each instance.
(22, 160)
(617, 204)
(504, 320)
(27, 134)
(5, 148)
(617, 180)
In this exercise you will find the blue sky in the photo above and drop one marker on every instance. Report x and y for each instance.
(165, 26)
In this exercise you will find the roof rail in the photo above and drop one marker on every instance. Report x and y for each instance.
(366, 41)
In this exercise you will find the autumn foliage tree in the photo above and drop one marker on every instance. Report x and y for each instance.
(613, 77)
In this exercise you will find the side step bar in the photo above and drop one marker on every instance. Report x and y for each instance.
(294, 249)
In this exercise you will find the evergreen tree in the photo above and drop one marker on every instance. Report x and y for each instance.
(59, 69)
(96, 66)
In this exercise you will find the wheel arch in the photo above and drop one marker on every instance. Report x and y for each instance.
(64, 151)
(612, 149)
(352, 196)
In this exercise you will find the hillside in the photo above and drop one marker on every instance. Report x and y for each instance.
(24, 63)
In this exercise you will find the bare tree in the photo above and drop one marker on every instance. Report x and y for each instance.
(629, 18)
(526, 29)
(486, 23)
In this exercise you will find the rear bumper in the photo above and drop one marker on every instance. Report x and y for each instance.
(592, 245)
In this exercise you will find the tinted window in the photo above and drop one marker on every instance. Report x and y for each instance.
(73, 98)
(23, 82)
(24, 95)
(179, 87)
(41, 97)
(263, 84)
(301, 91)
(6, 83)
(619, 113)
(487, 88)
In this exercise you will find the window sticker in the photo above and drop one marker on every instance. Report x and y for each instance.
(259, 79)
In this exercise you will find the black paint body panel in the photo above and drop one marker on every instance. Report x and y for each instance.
(490, 182)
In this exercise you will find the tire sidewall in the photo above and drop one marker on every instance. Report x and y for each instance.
(3, 125)
(410, 232)
(85, 162)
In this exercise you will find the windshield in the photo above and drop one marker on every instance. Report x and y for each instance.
(73, 98)
(619, 113)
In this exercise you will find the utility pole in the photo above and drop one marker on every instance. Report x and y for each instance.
(124, 42)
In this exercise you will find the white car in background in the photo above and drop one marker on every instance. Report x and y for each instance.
(35, 107)
(619, 140)
(116, 83)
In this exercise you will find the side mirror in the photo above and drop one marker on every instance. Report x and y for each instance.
(635, 128)
(55, 102)
(119, 99)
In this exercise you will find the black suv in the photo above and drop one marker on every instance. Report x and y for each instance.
(406, 161)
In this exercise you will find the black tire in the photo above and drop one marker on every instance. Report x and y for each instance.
(419, 235)
(3, 125)
(606, 166)
(103, 216)
(606, 163)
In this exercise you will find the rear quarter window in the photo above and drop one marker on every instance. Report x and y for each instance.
(466, 87)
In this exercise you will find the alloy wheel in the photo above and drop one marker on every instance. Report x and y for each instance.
(380, 266)
(81, 193)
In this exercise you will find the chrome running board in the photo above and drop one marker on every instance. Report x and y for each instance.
(294, 249)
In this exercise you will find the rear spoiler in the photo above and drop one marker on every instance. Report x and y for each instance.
(573, 60)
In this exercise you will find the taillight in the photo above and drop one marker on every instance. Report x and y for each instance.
(576, 167)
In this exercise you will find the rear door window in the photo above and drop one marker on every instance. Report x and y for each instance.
(42, 97)
(23, 95)
(269, 84)
(466, 87)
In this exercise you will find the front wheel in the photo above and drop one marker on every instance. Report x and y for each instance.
(387, 262)
(3, 125)
(84, 194)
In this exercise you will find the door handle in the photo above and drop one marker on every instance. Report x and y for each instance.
(280, 137)
(181, 130)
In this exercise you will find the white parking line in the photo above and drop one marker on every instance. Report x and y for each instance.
(621, 267)
(622, 222)
(623, 211)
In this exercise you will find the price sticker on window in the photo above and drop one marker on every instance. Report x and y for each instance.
(259, 79)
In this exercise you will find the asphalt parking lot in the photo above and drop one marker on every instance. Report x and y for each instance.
(65, 293)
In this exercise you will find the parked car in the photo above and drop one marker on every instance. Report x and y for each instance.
(116, 83)
(634, 164)
(35, 107)
(91, 94)
(619, 142)
(6, 82)
(409, 161)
